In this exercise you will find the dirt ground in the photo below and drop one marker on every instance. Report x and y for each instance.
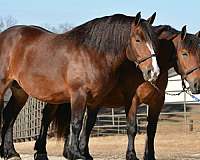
(171, 146)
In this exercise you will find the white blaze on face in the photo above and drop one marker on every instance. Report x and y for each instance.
(156, 69)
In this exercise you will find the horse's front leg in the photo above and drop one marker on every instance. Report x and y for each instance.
(40, 144)
(131, 129)
(86, 131)
(153, 115)
(78, 105)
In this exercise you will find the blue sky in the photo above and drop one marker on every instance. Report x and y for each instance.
(39, 12)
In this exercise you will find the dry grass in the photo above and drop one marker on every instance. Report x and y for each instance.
(168, 146)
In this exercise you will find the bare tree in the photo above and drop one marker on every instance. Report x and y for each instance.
(59, 28)
(6, 22)
(64, 27)
(10, 21)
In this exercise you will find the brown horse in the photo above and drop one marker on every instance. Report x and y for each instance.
(80, 66)
(143, 91)
(172, 43)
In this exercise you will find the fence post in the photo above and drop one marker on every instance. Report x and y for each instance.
(185, 112)
(118, 125)
(113, 117)
(191, 126)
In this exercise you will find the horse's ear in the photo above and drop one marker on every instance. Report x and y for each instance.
(183, 32)
(137, 18)
(198, 34)
(151, 19)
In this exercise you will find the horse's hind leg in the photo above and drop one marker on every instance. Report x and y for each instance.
(12, 109)
(3, 86)
(40, 144)
(86, 131)
(78, 105)
(153, 115)
(131, 128)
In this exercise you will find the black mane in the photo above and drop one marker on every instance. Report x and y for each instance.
(108, 34)
(192, 43)
(167, 29)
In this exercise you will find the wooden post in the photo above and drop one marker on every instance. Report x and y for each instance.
(191, 125)
(118, 125)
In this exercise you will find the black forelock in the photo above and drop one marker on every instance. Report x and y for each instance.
(192, 43)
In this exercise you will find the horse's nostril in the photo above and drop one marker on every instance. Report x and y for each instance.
(195, 85)
(149, 73)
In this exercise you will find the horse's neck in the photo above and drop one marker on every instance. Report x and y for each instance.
(116, 60)
(166, 34)
(166, 57)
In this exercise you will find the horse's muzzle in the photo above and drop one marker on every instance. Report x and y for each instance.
(150, 75)
(195, 86)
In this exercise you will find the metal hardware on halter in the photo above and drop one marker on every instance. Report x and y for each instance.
(185, 89)
(138, 62)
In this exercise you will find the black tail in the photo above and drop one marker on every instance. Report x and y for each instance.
(61, 121)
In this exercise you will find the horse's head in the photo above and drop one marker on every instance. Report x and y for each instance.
(188, 59)
(143, 47)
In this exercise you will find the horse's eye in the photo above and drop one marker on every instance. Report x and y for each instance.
(138, 40)
(185, 54)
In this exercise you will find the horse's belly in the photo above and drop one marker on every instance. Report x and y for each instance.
(45, 90)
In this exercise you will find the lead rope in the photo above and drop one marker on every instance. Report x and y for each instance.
(185, 89)
(156, 87)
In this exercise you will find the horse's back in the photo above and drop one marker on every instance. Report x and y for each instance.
(46, 65)
(26, 56)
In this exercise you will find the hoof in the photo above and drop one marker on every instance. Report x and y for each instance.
(75, 155)
(66, 154)
(38, 156)
(131, 156)
(14, 158)
(1, 152)
(149, 158)
(89, 157)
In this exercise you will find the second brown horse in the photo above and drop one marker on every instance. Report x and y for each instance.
(172, 45)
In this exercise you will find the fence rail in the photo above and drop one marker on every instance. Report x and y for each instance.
(28, 123)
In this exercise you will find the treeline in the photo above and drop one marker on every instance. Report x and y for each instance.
(9, 21)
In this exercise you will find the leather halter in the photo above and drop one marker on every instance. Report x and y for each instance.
(190, 71)
(138, 62)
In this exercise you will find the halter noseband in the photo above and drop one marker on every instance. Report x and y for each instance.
(138, 62)
(190, 71)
